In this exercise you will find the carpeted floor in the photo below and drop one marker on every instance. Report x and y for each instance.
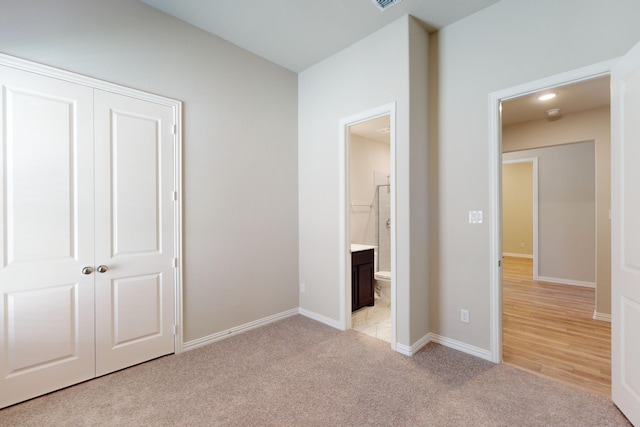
(298, 372)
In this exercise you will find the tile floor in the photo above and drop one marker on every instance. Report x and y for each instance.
(374, 321)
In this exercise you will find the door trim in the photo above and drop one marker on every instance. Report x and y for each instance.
(495, 182)
(176, 106)
(345, 221)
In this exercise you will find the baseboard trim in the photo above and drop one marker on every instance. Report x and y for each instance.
(565, 281)
(413, 349)
(517, 255)
(320, 318)
(602, 316)
(190, 345)
(447, 342)
(460, 346)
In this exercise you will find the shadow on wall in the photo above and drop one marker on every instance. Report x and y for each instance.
(434, 183)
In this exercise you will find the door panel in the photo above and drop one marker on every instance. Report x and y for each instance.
(32, 233)
(134, 231)
(46, 224)
(135, 186)
(32, 346)
(137, 311)
(625, 234)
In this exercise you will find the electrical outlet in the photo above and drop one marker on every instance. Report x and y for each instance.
(522, 245)
(302, 288)
(464, 315)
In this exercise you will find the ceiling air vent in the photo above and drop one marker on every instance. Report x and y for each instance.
(386, 4)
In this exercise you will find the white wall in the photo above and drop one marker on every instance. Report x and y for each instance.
(341, 86)
(566, 211)
(504, 45)
(583, 126)
(240, 142)
(366, 157)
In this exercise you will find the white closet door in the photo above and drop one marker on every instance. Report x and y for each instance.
(134, 231)
(46, 230)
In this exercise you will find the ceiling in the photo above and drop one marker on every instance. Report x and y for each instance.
(376, 129)
(299, 33)
(571, 98)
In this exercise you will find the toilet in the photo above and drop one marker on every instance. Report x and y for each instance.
(383, 286)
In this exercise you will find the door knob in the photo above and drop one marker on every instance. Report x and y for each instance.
(102, 268)
(87, 270)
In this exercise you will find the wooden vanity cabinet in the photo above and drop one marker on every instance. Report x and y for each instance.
(362, 293)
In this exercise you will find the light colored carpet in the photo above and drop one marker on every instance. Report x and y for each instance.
(298, 372)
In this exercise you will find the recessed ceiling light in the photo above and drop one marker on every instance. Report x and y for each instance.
(384, 130)
(546, 96)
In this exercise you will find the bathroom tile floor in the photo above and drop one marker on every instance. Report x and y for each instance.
(374, 321)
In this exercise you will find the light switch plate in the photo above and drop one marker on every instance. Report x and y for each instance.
(475, 217)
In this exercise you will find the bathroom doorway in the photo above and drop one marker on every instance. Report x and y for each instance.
(368, 222)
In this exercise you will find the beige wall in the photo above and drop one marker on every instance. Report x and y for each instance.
(584, 126)
(349, 83)
(366, 157)
(240, 142)
(566, 212)
(517, 209)
(502, 46)
(241, 155)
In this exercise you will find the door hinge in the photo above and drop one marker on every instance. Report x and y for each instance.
(499, 263)
(175, 329)
(173, 129)
(175, 196)
(175, 263)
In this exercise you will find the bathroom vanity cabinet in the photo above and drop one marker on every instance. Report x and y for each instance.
(362, 279)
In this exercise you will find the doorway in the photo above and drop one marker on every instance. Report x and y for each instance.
(560, 84)
(367, 223)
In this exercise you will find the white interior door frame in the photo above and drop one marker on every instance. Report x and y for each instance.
(534, 162)
(345, 212)
(176, 107)
(495, 173)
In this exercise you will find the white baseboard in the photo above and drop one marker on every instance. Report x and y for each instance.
(602, 316)
(411, 350)
(190, 345)
(320, 318)
(400, 348)
(517, 255)
(565, 281)
(447, 342)
(460, 346)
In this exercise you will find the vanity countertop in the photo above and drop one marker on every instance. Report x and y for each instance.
(357, 247)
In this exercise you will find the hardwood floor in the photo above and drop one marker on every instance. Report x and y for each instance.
(549, 329)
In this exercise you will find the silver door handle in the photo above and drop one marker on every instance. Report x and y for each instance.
(102, 268)
(87, 270)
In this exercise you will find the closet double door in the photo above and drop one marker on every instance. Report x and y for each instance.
(87, 231)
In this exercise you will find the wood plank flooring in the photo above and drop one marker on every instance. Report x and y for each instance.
(549, 329)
